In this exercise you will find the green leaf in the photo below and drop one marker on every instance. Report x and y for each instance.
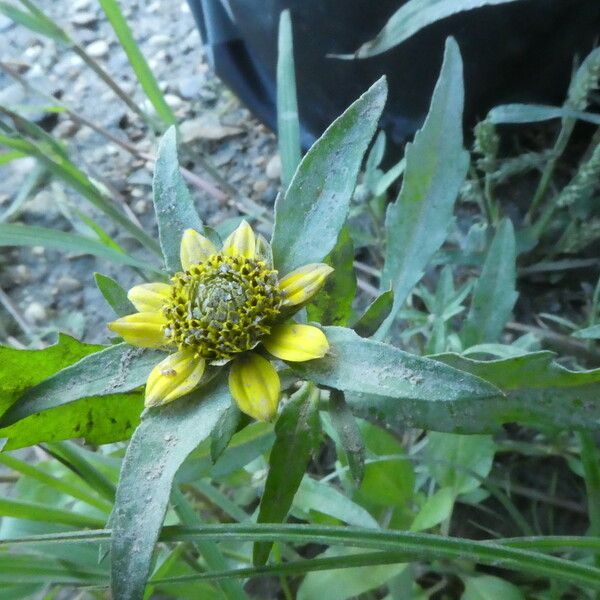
(288, 122)
(22, 369)
(310, 214)
(450, 458)
(381, 381)
(350, 437)
(224, 431)
(114, 294)
(535, 113)
(437, 508)
(436, 165)
(173, 203)
(138, 62)
(375, 314)
(297, 434)
(494, 295)
(414, 16)
(97, 419)
(341, 584)
(34, 23)
(32, 235)
(333, 303)
(114, 370)
(165, 437)
(539, 392)
(487, 587)
(589, 333)
(20, 509)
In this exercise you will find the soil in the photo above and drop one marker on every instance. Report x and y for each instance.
(51, 290)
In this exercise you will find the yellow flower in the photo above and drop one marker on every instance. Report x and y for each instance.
(218, 310)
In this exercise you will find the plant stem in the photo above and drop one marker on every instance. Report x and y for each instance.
(590, 459)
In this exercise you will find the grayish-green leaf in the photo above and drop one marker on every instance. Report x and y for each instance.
(288, 122)
(414, 16)
(347, 429)
(487, 587)
(375, 314)
(437, 508)
(173, 203)
(114, 294)
(165, 437)
(224, 431)
(114, 370)
(589, 333)
(436, 165)
(310, 214)
(536, 113)
(495, 291)
(297, 434)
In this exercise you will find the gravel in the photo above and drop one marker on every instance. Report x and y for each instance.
(54, 289)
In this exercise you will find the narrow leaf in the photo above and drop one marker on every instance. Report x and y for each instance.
(138, 62)
(114, 294)
(349, 433)
(436, 165)
(165, 437)
(494, 295)
(297, 435)
(310, 214)
(333, 303)
(288, 121)
(173, 203)
(224, 431)
(414, 16)
(370, 321)
(535, 113)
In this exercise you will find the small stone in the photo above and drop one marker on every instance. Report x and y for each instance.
(273, 168)
(68, 284)
(173, 101)
(66, 129)
(140, 207)
(97, 49)
(260, 186)
(35, 313)
(21, 274)
(84, 19)
(190, 87)
(38, 251)
(81, 5)
(160, 39)
(206, 127)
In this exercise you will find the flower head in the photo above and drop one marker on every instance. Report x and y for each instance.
(223, 308)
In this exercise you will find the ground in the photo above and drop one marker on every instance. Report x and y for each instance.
(50, 289)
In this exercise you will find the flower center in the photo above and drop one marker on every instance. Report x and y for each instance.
(222, 306)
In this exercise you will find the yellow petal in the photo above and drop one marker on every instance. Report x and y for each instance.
(296, 343)
(254, 385)
(173, 377)
(263, 250)
(145, 329)
(194, 249)
(149, 297)
(242, 242)
(301, 284)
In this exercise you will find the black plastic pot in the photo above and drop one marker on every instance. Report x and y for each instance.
(522, 51)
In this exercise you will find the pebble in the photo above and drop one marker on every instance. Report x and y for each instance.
(97, 49)
(191, 87)
(68, 284)
(35, 313)
(21, 274)
(173, 101)
(260, 186)
(206, 127)
(140, 207)
(84, 19)
(160, 39)
(273, 168)
(38, 251)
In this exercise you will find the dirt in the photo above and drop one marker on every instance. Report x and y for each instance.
(48, 289)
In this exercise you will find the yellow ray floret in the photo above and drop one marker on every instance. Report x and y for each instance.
(296, 343)
(219, 310)
(173, 377)
(255, 386)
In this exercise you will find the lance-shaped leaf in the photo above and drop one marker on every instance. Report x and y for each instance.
(173, 203)
(375, 314)
(359, 366)
(114, 370)
(114, 294)
(417, 223)
(297, 435)
(494, 295)
(22, 369)
(310, 214)
(414, 16)
(333, 304)
(161, 443)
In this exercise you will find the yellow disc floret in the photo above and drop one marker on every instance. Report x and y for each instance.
(222, 306)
